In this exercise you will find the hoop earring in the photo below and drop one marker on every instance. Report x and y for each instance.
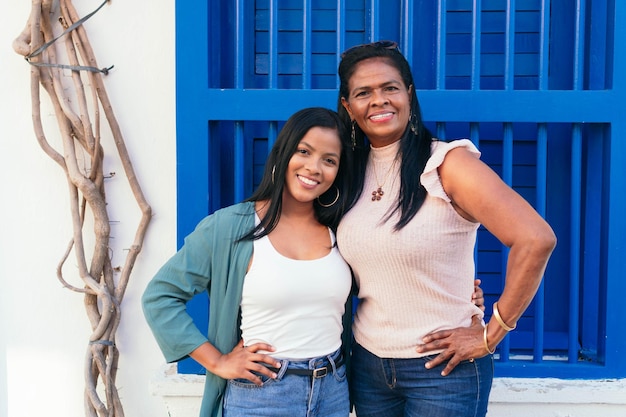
(413, 123)
(353, 135)
(331, 204)
(273, 169)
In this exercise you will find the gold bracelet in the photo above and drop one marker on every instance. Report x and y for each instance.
(501, 322)
(486, 342)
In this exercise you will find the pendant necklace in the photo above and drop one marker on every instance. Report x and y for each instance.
(378, 193)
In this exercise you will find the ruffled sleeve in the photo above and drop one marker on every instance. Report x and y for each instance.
(430, 177)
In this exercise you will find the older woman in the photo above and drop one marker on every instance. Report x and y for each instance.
(421, 347)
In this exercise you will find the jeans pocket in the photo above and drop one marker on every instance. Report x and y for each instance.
(245, 383)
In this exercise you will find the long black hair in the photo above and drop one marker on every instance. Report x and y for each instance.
(273, 181)
(414, 146)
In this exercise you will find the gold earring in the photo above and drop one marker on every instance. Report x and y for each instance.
(413, 123)
(331, 204)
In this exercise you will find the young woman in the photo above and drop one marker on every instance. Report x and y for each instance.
(421, 346)
(276, 281)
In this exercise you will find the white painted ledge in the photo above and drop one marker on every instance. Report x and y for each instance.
(510, 397)
(551, 397)
(181, 393)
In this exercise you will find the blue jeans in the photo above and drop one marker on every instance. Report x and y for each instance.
(292, 395)
(405, 388)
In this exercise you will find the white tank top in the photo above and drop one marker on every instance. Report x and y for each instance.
(294, 305)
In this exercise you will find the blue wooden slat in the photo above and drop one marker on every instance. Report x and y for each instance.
(492, 22)
(441, 45)
(374, 17)
(441, 131)
(507, 177)
(191, 132)
(292, 64)
(575, 221)
(461, 43)
(613, 307)
(273, 49)
(613, 310)
(291, 42)
(494, 43)
(579, 45)
(509, 50)
(259, 157)
(341, 38)
(561, 48)
(306, 45)
(474, 135)
(239, 163)
(490, 5)
(492, 65)
(272, 134)
(297, 4)
(489, 263)
(191, 140)
(540, 206)
(544, 45)
(240, 41)
(476, 44)
(592, 230)
(407, 36)
(322, 20)
(527, 43)
(598, 46)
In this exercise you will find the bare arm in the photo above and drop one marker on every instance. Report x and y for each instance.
(239, 363)
(479, 194)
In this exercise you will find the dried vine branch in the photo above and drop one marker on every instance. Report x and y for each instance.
(78, 114)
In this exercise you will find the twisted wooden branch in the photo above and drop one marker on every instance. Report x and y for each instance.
(78, 118)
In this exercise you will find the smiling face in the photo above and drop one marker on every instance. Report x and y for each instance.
(313, 167)
(378, 101)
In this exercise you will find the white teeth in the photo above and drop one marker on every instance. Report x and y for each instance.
(307, 181)
(380, 116)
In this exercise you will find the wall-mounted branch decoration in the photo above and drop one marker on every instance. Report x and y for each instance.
(78, 106)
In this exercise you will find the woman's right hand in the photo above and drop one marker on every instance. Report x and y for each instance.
(478, 297)
(241, 362)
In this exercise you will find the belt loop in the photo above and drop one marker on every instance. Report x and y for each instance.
(337, 359)
(284, 365)
(331, 362)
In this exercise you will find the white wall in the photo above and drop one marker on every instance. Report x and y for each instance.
(43, 327)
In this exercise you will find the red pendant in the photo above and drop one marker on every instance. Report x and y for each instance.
(377, 194)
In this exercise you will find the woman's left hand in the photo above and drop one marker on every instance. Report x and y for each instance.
(462, 343)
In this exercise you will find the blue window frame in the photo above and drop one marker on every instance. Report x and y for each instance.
(533, 83)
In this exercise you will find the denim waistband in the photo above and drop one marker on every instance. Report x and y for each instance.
(316, 367)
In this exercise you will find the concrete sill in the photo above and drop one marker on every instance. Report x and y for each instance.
(510, 397)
